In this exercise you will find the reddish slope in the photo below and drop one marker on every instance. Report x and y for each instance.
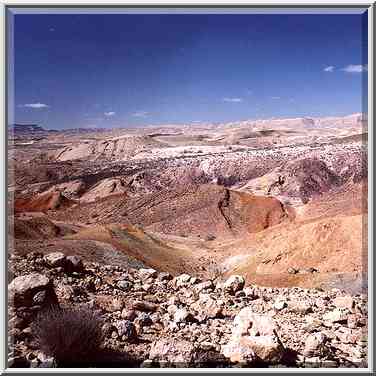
(41, 203)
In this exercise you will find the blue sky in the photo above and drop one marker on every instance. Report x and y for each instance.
(132, 69)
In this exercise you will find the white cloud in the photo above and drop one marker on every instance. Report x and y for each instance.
(233, 100)
(110, 113)
(140, 114)
(35, 105)
(329, 68)
(276, 98)
(355, 68)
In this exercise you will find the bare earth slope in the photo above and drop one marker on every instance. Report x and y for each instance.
(279, 200)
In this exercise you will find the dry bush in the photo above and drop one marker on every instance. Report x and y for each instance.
(71, 336)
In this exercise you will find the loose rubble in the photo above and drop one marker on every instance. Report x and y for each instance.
(161, 321)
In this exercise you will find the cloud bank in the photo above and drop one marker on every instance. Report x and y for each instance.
(35, 105)
(352, 68)
(140, 114)
(232, 100)
(110, 113)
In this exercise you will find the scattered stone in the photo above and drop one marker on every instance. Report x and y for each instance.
(204, 286)
(192, 318)
(128, 314)
(109, 303)
(124, 285)
(183, 280)
(143, 319)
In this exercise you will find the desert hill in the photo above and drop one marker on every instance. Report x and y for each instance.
(209, 199)
(118, 148)
(199, 210)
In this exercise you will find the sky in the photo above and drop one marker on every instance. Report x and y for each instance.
(120, 70)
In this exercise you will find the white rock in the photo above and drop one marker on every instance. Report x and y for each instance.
(338, 315)
(22, 289)
(179, 353)
(148, 273)
(279, 305)
(254, 337)
(346, 302)
(181, 315)
(55, 259)
(183, 280)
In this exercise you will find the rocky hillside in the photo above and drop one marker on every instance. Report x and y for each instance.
(150, 319)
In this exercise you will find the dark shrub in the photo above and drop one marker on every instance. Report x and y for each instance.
(72, 336)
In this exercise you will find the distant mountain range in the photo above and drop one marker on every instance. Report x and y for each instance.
(26, 128)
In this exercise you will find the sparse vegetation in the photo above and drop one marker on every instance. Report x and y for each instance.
(72, 336)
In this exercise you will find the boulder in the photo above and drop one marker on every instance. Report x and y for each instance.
(254, 338)
(234, 283)
(248, 322)
(147, 273)
(336, 316)
(206, 307)
(315, 345)
(172, 352)
(346, 302)
(204, 286)
(182, 315)
(279, 305)
(251, 293)
(300, 306)
(55, 259)
(22, 290)
(164, 276)
(124, 285)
